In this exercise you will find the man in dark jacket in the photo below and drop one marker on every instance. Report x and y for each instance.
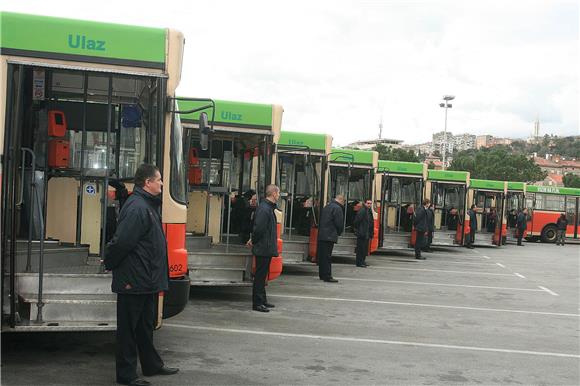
(472, 225)
(561, 224)
(264, 243)
(363, 225)
(430, 228)
(521, 225)
(421, 227)
(330, 227)
(137, 255)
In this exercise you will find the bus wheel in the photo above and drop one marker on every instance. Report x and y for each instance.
(549, 234)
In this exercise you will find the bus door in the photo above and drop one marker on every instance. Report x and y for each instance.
(88, 133)
(300, 187)
(514, 202)
(490, 214)
(572, 212)
(74, 140)
(359, 189)
(231, 179)
(399, 197)
(449, 202)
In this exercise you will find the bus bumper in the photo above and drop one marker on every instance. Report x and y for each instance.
(177, 297)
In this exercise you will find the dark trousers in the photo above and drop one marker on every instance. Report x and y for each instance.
(471, 237)
(136, 316)
(428, 241)
(419, 241)
(561, 236)
(324, 257)
(259, 286)
(520, 236)
(362, 250)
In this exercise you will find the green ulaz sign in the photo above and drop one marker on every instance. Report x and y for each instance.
(84, 43)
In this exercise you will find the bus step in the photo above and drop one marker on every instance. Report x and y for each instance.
(194, 243)
(291, 257)
(218, 259)
(294, 237)
(54, 256)
(73, 308)
(66, 283)
(296, 246)
(213, 275)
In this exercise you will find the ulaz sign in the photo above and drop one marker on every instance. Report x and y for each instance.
(82, 42)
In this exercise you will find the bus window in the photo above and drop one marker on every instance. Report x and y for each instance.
(178, 184)
(530, 201)
(554, 202)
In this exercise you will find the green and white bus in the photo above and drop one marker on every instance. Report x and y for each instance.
(399, 187)
(83, 104)
(302, 175)
(230, 162)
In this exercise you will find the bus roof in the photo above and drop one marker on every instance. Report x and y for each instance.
(359, 157)
(447, 175)
(401, 167)
(518, 186)
(233, 114)
(313, 141)
(487, 184)
(553, 190)
(82, 41)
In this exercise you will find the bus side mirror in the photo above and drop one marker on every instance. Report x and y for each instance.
(203, 131)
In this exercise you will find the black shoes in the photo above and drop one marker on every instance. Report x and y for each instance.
(261, 308)
(135, 382)
(163, 371)
(269, 305)
(420, 258)
(330, 280)
(362, 265)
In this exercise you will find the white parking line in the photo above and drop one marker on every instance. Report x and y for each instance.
(373, 341)
(444, 271)
(439, 284)
(436, 260)
(423, 305)
(519, 275)
(500, 264)
(548, 291)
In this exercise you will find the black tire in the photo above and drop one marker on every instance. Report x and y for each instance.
(549, 234)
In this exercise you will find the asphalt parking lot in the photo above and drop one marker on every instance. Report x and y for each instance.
(485, 316)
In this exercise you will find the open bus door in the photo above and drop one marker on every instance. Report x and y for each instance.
(400, 196)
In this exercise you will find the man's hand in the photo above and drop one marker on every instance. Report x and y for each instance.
(249, 243)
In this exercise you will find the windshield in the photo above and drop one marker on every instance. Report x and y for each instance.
(178, 172)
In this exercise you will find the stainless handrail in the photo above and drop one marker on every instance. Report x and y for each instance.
(31, 200)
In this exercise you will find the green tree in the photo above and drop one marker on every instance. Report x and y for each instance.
(571, 181)
(497, 163)
(390, 154)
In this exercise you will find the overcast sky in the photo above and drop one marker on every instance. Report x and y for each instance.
(337, 66)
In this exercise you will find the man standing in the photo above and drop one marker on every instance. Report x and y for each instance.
(561, 224)
(421, 226)
(472, 225)
(330, 227)
(137, 255)
(430, 228)
(264, 243)
(363, 225)
(521, 225)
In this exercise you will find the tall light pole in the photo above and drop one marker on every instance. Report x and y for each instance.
(446, 105)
